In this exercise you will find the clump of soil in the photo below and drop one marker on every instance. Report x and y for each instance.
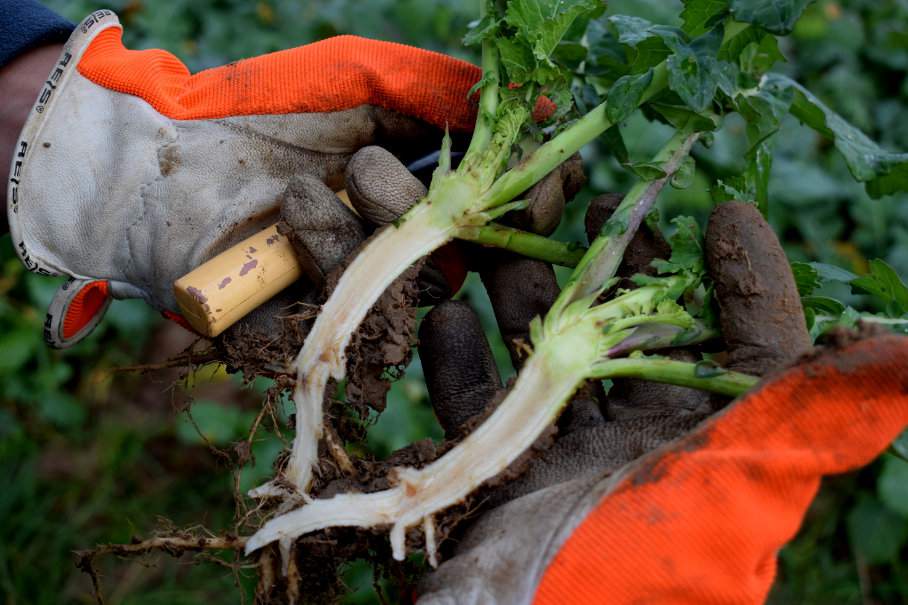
(381, 348)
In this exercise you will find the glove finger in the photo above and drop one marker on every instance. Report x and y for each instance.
(322, 229)
(519, 289)
(460, 372)
(647, 244)
(760, 310)
(548, 197)
(380, 187)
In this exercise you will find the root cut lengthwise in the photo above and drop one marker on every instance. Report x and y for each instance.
(548, 377)
(573, 343)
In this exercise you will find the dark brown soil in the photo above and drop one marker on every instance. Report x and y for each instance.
(760, 311)
(380, 350)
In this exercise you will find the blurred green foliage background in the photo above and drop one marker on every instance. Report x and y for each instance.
(91, 455)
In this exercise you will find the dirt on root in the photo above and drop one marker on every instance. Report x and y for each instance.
(381, 348)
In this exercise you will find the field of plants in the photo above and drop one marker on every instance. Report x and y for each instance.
(106, 442)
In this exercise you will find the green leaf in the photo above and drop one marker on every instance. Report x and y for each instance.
(684, 176)
(571, 53)
(824, 305)
(763, 112)
(699, 16)
(758, 58)
(730, 189)
(694, 71)
(634, 30)
(543, 23)
(677, 114)
(648, 171)
(806, 278)
(882, 171)
(733, 46)
(776, 16)
(62, 409)
(884, 283)
(875, 531)
(687, 250)
(892, 485)
(614, 142)
(758, 172)
(483, 29)
(517, 59)
(832, 273)
(625, 95)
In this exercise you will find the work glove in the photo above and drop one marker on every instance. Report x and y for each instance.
(130, 171)
(645, 497)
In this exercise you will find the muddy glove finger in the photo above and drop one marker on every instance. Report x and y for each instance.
(322, 229)
(460, 371)
(519, 289)
(547, 198)
(380, 187)
(760, 311)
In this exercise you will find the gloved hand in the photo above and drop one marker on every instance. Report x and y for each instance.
(641, 500)
(130, 172)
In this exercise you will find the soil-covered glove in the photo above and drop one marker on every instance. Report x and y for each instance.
(130, 171)
(644, 501)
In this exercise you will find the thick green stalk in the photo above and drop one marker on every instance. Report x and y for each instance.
(488, 96)
(524, 243)
(567, 143)
(601, 261)
(678, 373)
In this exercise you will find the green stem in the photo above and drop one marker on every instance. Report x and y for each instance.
(678, 373)
(524, 243)
(488, 96)
(885, 321)
(570, 141)
(601, 261)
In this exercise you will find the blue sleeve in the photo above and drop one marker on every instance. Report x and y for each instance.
(25, 24)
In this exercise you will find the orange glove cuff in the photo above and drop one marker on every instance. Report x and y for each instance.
(332, 75)
(701, 523)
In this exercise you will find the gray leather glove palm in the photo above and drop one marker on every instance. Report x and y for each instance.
(130, 172)
(501, 557)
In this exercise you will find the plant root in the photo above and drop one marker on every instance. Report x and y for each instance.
(417, 495)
